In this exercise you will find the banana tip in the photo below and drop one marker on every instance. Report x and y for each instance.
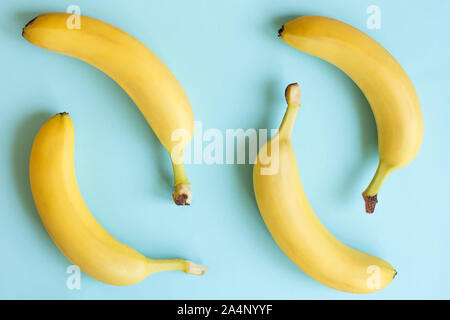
(371, 202)
(28, 23)
(280, 31)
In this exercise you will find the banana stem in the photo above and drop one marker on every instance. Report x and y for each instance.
(176, 265)
(288, 121)
(370, 195)
(179, 173)
(182, 195)
(293, 99)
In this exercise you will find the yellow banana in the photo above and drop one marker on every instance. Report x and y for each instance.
(294, 225)
(385, 84)
(70, 224)
(145, 78)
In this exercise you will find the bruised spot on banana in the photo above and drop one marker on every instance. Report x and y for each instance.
(381, 78)
(69, 222)
(294, 225)
(143, 76)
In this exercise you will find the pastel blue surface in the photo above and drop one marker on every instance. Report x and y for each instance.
(227, 56)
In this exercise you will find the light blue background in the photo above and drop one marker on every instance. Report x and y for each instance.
(227, 56)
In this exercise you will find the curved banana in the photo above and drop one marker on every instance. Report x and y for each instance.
(144, 77)
(294, 225)
(385, 84)
(70, 224)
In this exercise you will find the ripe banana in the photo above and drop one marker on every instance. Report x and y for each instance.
(385, 84)
(70, 224)
(294, 225)
(144, 77)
